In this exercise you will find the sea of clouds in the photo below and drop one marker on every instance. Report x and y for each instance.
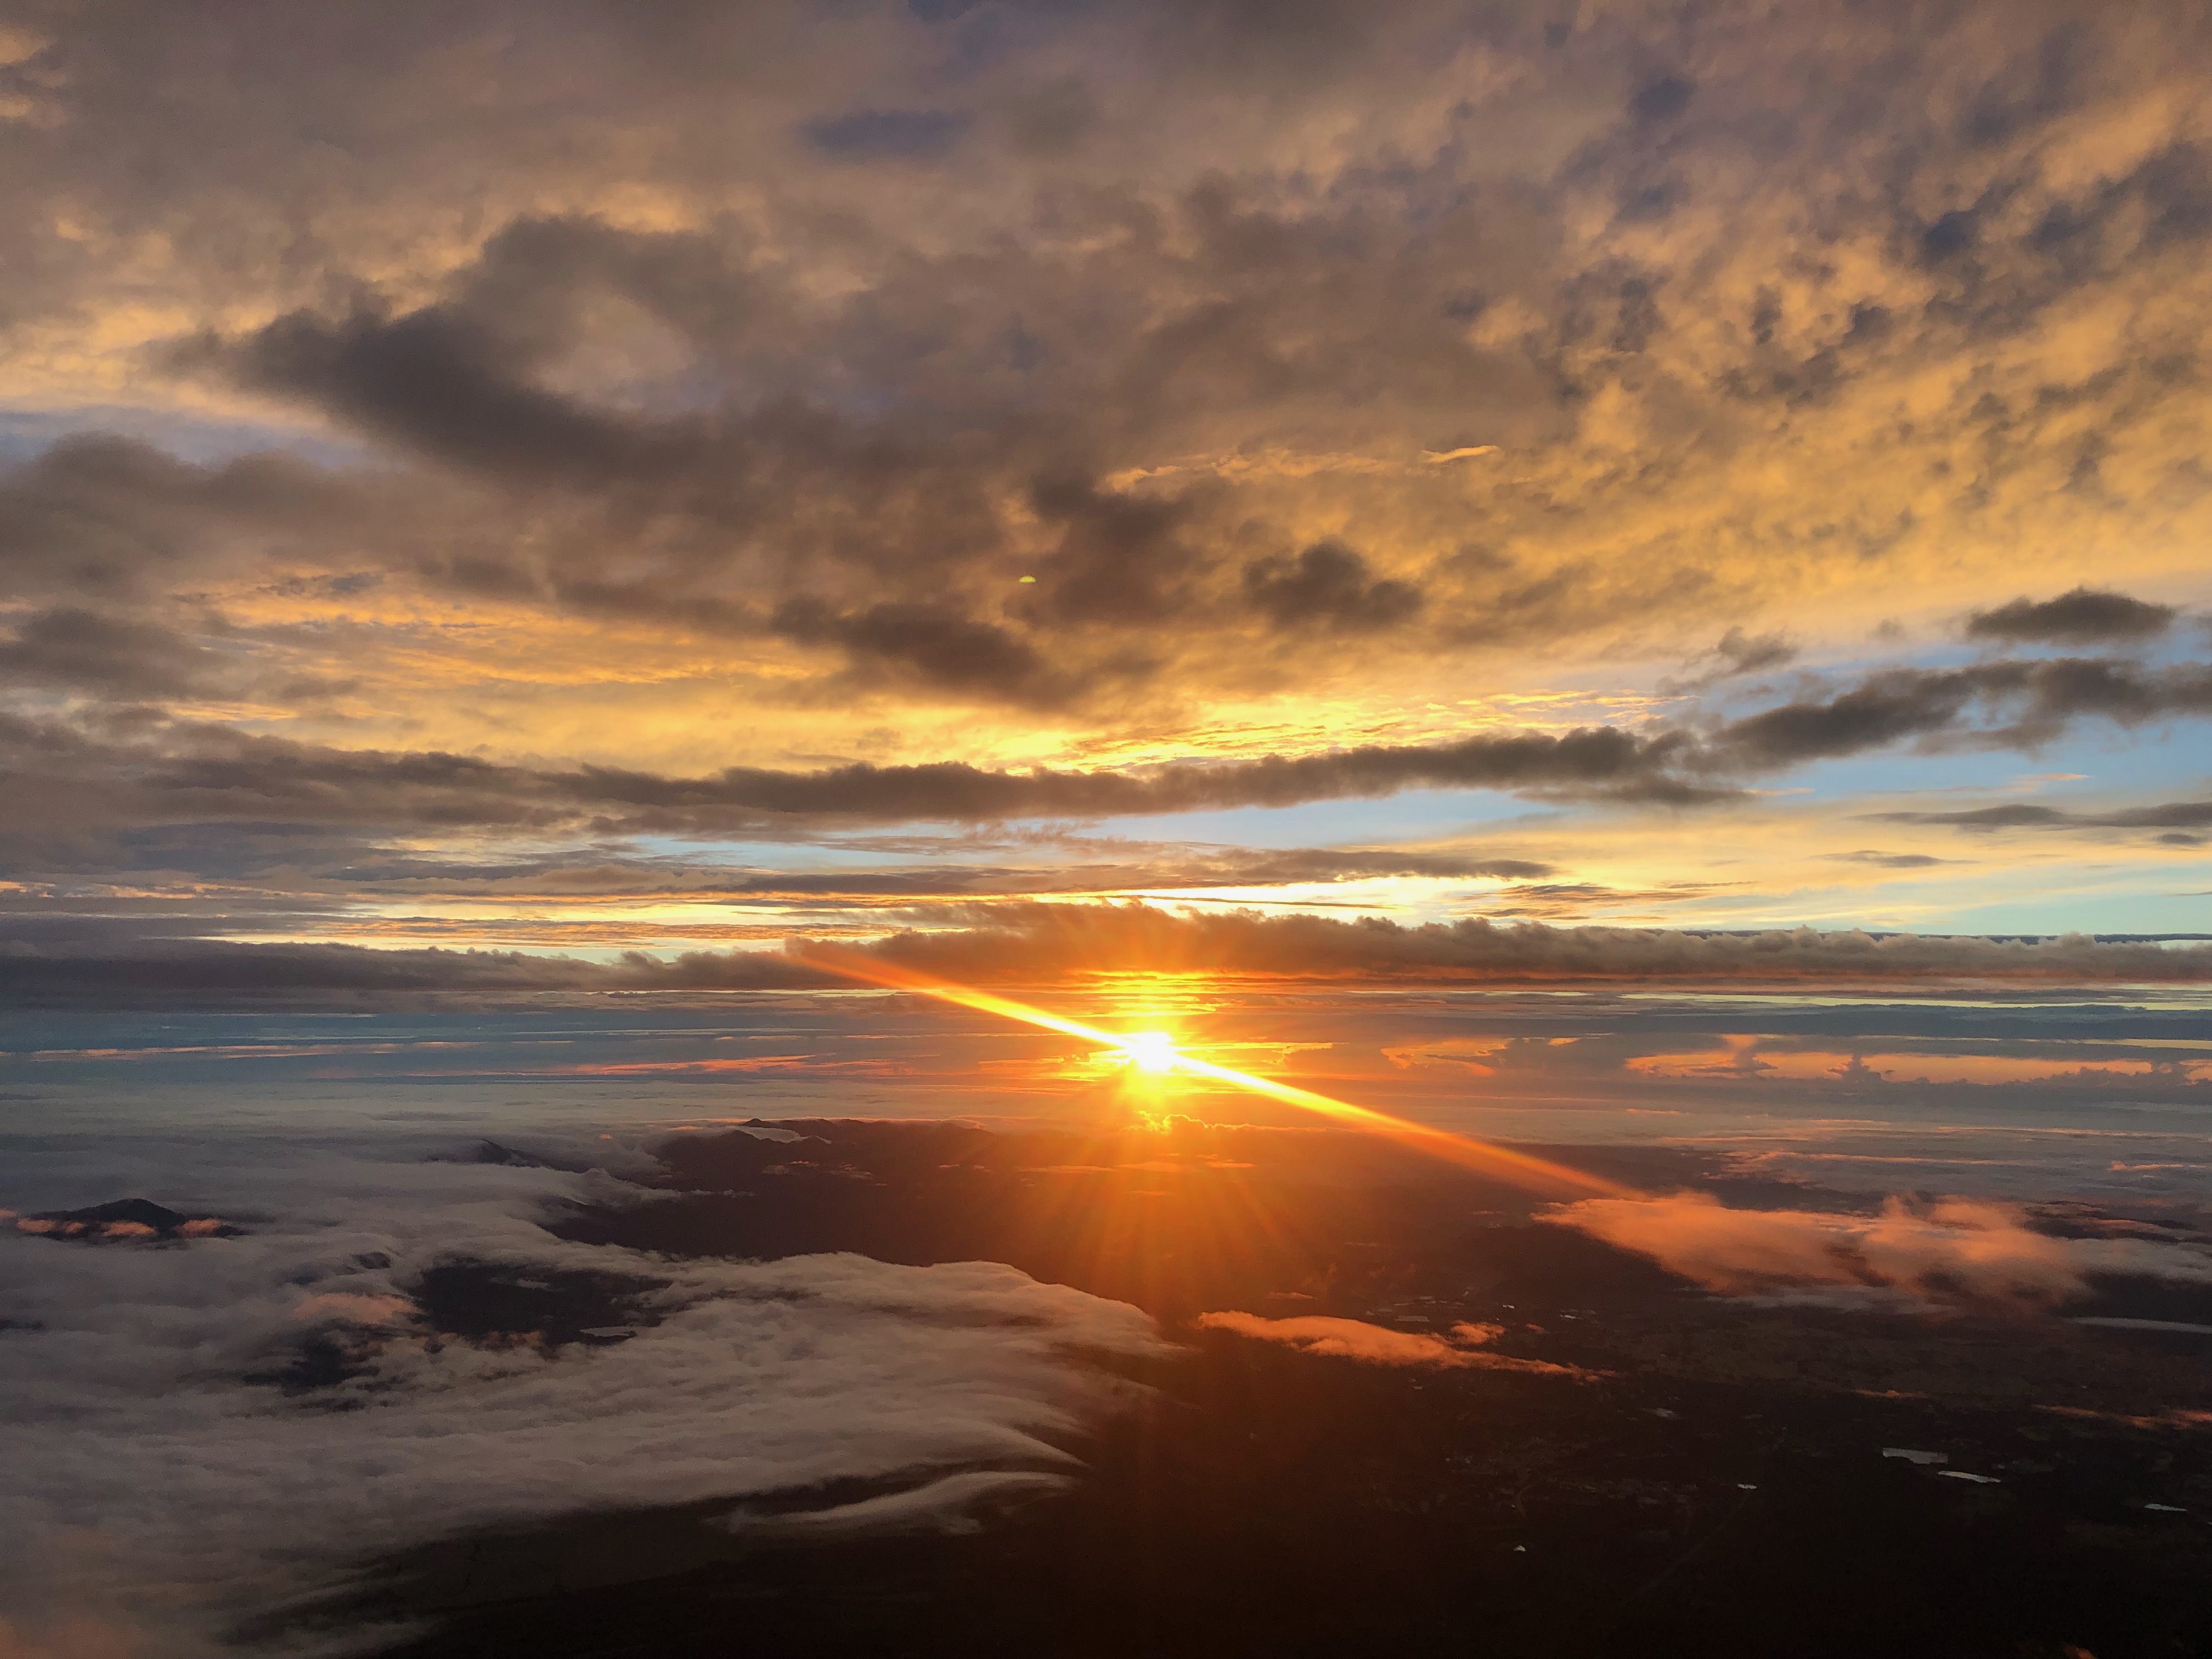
(157, 1496)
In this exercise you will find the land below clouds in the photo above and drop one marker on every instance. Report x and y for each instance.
(1551, 1445)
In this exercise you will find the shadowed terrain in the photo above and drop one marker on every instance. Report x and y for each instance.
(1673, 1473)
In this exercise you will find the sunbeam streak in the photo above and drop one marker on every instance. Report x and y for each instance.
(1155, 1051)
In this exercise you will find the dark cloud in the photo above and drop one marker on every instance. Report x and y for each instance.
(99, 519)
(1040, 942)
(77, 779)
(937, 646)
(1888, 861)
(1119, 559)
(898, 388)
(2036, 701)
(1291, 351)
(2087, 616)
(1327, 586)
(74, 649)
(1045, 940)
(215, 777)
(906, 134)
(2020, 815)
(438, 382)
(314, 871)
(1734, 653)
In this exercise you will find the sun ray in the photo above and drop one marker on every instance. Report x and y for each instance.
(1155, 1052)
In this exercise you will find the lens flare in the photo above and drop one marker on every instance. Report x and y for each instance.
(1152, 1051)
(1155, 1052)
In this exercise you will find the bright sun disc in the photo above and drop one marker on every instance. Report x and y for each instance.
(1153, 1051)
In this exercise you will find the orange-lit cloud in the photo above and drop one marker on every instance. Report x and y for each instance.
(1379, 1345)
(560, 490)
(353, 1308)
(1949, 1249)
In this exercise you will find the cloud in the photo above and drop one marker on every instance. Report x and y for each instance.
(2035, 701)
(2087, 616)
(858, 343)
(1049, 940)
(134, 1416)
(565, 483)
(1945, 1250)
(2020, 815)
(183, 773)
(1378, 1345)
(948, 1503)
(889, 134)
(1734, 654)
(1327, 586)
(934, 646)
(73, 649)
(1038, 942)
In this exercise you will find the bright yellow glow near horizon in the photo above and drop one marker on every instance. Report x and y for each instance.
(1155, 1052)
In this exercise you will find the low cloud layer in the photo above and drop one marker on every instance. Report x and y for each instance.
(1949, 1250)
(162, 1484)
(1378, 1345)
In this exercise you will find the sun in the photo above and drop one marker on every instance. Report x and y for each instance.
(1152, 1051)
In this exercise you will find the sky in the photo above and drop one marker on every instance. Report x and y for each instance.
(1595, 573)
(583, 479)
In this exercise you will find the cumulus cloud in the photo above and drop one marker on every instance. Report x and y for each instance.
(158, 1477)
(1947, 1250)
